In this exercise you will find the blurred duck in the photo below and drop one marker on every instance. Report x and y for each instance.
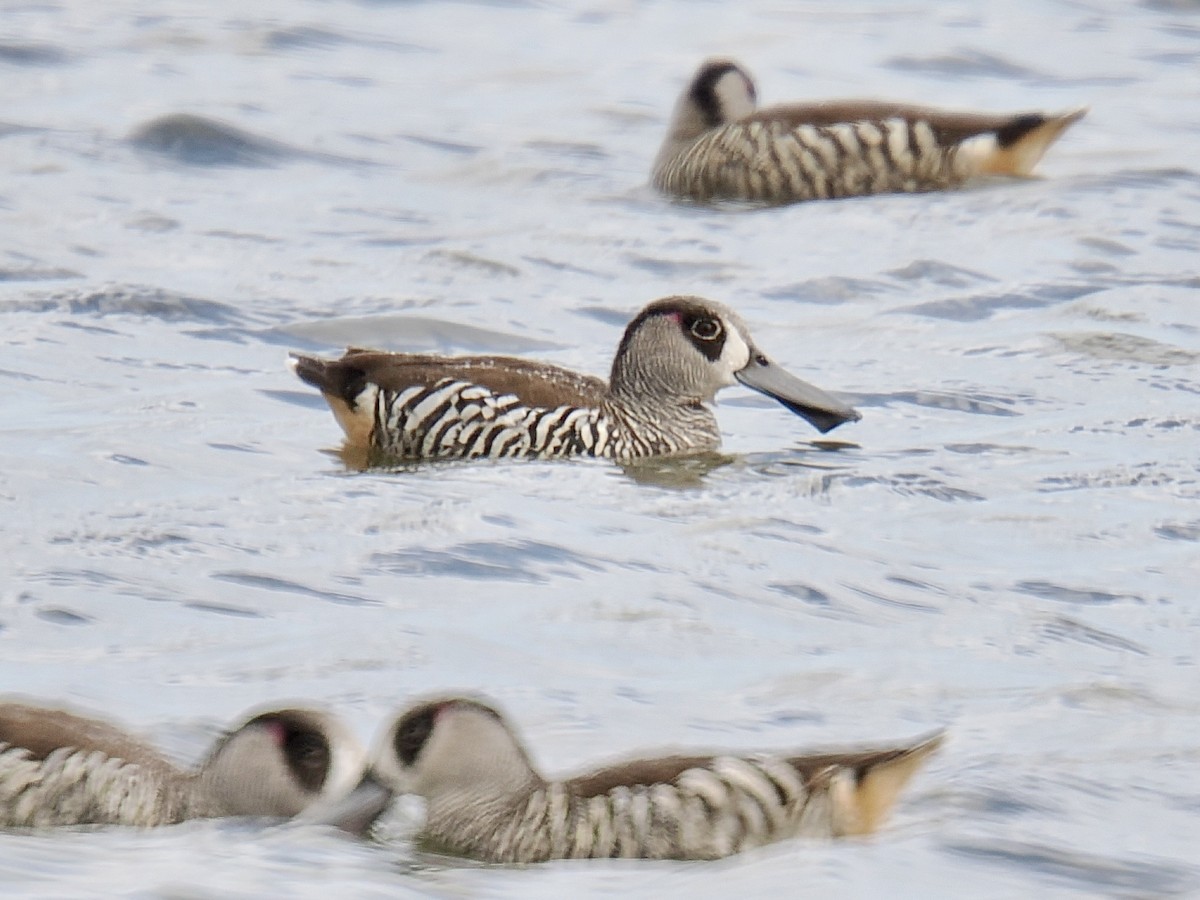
(719, 146)
(485, 799)
(59, 768)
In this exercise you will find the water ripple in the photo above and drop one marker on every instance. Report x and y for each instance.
(28, 53)
(534, 562)
(272, 583)
(934, 271)
(408, 333)
(1103, 874)
(977, 307)
(135, 300)
(832, 290)
(1063, 628)
(1125, 348)
(304, 37)
(1048, 590)
(915, 484)
(198, 141)
(193, 140)
(965, 63)
(35, 273)
(976, 405)
(64, 616)
(1179, 531)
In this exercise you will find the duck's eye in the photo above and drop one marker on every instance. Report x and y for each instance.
(411, 735)
(706, 329)
(309, 757)
(306, 747)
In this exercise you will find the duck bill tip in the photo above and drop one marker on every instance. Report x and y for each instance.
(819, 408)
(357, 811)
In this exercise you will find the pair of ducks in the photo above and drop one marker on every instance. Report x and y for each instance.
(484, 796)
(677, 352)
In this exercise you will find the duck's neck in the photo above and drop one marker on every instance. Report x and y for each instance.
(493, 828)
(665, 426)
(198, 797)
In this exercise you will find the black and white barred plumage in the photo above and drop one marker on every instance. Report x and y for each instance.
(719, 147)
(462, 420)
(675, 355)
(485, 799)
(58, 768)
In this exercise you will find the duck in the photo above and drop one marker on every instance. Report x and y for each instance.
(485, 799)
(59, 767)
(720, 146)
(675, 355)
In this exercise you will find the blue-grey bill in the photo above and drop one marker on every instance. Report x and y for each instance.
(823, 410)
(357, 811)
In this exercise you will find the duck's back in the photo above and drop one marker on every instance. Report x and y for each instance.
(58, 768)
(416, 406)
(535, 383)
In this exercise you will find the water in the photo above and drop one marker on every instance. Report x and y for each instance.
(1006, 545)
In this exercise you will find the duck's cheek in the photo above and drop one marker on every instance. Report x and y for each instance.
(735, 355)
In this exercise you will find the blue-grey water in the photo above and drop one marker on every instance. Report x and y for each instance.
(1007, 545)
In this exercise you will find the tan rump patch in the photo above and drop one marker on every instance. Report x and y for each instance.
(357, 423)
(1019, 159)
(880, 785)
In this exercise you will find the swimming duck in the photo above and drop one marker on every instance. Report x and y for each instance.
(675, 355)
(719, 146)
(485, 799)
(60, 768)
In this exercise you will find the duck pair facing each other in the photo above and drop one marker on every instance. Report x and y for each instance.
(60, 768)
(484, 796)
(673, 358)
(485, 799)
(720, 146)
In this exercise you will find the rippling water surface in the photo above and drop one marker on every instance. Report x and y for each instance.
(1008, 544)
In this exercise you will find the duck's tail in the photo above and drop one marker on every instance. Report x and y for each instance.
(864, 799)
(1017, 146)
(343, 385)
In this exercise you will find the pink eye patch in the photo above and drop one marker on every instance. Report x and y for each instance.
(275, 728)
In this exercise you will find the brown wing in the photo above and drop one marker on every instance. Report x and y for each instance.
(665, 769)
(860, 761)
(537, 384)
(950, 127)
(635, 772)
(41, 731)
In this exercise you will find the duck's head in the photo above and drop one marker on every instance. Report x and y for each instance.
(685, 349)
